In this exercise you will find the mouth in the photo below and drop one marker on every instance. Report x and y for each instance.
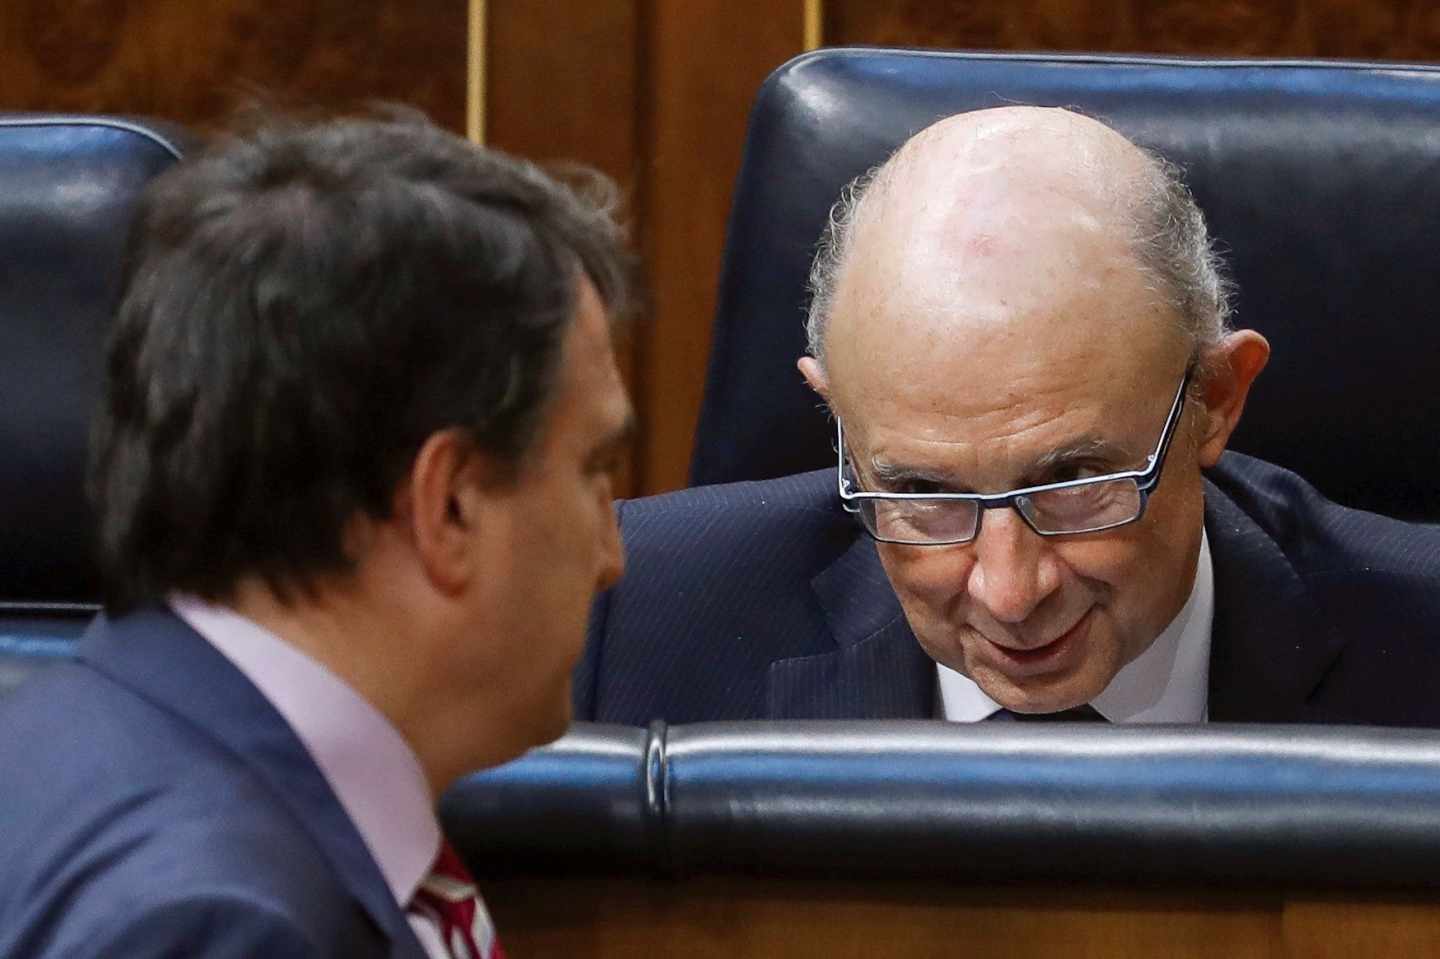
(1047, 657)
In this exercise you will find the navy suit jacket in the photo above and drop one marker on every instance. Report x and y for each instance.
(766, 601)
(156, 804)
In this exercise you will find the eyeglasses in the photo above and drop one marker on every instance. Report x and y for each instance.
(1086, 505)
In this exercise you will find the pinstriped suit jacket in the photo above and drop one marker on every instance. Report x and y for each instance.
(766, 601)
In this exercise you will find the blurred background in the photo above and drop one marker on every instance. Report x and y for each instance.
(653, 92)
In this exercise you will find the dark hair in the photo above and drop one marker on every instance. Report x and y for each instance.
(302, 306)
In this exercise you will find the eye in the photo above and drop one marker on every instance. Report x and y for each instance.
(1078, 470)
(918, 486)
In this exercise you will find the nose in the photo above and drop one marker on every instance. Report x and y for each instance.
(612, 556)
(1014, 569)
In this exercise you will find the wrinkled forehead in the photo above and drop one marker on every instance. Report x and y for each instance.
(990, 412)
(1024, 290)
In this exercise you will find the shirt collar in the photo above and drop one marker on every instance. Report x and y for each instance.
(1167, 683)
(372, 770)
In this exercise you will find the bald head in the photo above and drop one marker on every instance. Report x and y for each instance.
(1029, 185)
(969, 163)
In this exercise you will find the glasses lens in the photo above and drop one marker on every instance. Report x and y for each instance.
(1078, 509)
(920, 521)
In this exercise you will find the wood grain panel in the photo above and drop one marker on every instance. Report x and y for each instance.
(756, 917)
(617, 917)
(193, 62)
(1382, 29)
(1332, 927)
(704, 61)
(562, 82)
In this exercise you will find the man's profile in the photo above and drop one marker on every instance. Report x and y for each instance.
(1021, 329)
(352, 474)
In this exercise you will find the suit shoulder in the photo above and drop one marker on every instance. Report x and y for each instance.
(717, 586)
(180, 868)
(129, 807)
(218, 925)
(803, 493)
(765, 532)
(1321, 538)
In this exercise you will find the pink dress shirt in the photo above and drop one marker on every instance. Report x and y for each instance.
(372, 770)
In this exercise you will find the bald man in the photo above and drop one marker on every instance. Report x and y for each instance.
(1020, 327)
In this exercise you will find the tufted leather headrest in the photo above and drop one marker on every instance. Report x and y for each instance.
(68, 187)
(1300, 805)
(1320, 180)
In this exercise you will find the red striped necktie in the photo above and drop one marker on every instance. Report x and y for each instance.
(449, 897)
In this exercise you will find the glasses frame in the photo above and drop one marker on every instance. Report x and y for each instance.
(1145, 482)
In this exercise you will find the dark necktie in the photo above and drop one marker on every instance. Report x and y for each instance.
(1080, 714)
(449, 897)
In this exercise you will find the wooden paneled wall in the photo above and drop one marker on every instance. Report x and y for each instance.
(756, 916)
(1357, 29)
(656, 94)
(653, 92)
(196, 60)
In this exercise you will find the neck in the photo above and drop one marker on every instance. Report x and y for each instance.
(387, 650)
(343, 629)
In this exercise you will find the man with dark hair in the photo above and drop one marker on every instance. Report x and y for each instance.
(1019, 325)
(352, 472)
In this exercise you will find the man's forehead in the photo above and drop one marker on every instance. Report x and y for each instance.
(1006, 266)
(1035, 323)
(975, 395)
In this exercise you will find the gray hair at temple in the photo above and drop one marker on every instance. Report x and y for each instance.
(1169, 237)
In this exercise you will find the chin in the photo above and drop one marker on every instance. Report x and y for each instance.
(558, 726)
(1038, 696)
(552, 720)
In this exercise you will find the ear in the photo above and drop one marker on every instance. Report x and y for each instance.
(814, 374)
(441, 504)
(1243, 354)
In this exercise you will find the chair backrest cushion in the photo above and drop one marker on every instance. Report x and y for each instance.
(68, 188)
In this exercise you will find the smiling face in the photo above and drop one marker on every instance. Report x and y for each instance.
(1008, 339)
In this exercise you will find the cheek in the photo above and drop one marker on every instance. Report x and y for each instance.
(1147, 572)
(932, 578)
(1105, 560)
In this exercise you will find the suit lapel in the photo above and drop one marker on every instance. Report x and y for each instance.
(876, 671)
(1270, 647)
(156, 654)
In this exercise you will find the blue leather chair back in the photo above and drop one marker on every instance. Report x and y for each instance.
(1320, 180)
(982, 802)
(68, 188)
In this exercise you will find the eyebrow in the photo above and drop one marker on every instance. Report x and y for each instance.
(1089, 448)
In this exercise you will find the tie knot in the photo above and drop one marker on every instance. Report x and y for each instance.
(449, 865)
(1079, 714)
